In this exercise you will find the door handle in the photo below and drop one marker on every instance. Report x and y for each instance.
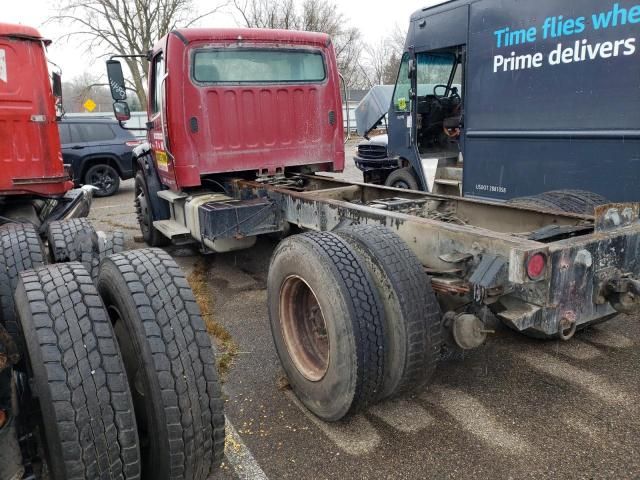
(77, 147)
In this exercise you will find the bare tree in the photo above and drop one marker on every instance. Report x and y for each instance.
(383, 57)
(378, 57)
(78, 90)
(315, 16)
(267, 13)
(128, 26)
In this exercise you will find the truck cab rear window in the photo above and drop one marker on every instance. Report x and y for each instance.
(258, 66)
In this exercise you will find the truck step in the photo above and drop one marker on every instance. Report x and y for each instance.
(449, 173)
(172, 229)
(445, 181)
(171, 196)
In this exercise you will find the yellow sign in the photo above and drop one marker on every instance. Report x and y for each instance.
(162, 160)
(90, 105)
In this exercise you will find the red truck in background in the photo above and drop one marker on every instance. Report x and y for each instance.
(31, 161)
(72, 336)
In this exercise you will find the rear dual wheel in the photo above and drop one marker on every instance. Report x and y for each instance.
(353, 318)
(77, 376)
(20, 250)
(169, 362)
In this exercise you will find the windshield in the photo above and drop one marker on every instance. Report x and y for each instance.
(258, 66)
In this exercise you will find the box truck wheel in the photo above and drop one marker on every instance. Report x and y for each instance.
(412, 312)
(62, 236)
(327, 322)
(20, 249)
(144, 212)
(87, 423)
(170, 364)
(402, 178)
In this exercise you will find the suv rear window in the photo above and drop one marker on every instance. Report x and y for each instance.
(258, 66)
(91, 132)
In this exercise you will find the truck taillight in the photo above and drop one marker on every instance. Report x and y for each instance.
(536, 265)
(132, 143)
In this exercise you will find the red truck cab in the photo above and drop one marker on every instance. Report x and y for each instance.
(229, 104)
(30, 156)
(243, 100)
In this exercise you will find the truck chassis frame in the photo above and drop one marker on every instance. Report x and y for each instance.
(475, 252)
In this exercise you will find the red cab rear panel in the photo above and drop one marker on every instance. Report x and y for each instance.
(30, 157)
(282, 117)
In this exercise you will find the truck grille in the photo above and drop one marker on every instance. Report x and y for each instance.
(373, 152)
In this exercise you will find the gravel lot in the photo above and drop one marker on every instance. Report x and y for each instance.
(514, 408)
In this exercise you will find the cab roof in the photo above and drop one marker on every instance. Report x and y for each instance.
(21, 31)
(188, 35)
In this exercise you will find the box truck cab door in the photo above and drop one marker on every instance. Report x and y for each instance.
(402, 118)
(438, 103)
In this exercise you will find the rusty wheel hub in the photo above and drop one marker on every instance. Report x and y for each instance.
(304, 329)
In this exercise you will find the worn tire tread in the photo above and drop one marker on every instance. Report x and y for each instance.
(20, 249)
(78, 374)
(182, 359)
(417, 301)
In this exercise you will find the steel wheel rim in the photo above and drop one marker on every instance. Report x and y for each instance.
(304, 328)
(401, 184)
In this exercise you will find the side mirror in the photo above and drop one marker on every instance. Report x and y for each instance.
(56, 84)
(116, 81)
(121, 110)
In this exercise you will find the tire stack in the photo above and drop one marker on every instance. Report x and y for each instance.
(353, 317)
(115, 356)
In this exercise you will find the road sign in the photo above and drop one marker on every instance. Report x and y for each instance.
(90, 105)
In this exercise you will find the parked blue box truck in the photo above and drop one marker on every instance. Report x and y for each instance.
(501, 99)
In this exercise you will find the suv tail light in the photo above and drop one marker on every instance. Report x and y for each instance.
(132, 143)
(536, 265)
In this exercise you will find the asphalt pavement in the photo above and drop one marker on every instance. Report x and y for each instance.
(514, 408)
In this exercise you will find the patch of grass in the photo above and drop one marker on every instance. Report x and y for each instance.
(227, 347)
(115, 224)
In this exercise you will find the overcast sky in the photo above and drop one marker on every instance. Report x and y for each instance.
(374, 18)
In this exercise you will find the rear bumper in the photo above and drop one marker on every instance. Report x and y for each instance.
(589, 279)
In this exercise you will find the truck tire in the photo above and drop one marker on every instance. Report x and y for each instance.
(402, 178)
(570, 201)
(144, 213)
(105, 178)
(90, 249)
(78, 376)
(327, 322)
(411, 309)
(20, 249)
(62, 235)
(170, 364)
